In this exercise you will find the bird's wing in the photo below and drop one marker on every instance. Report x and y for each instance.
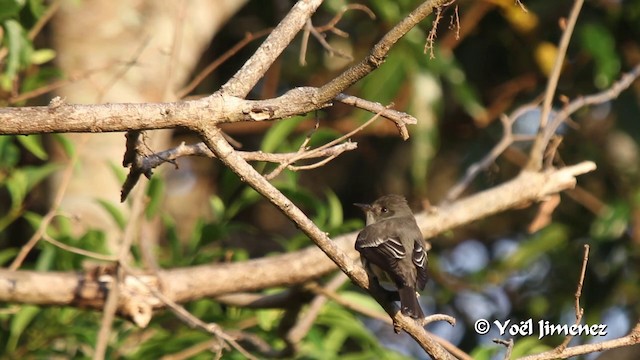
(384, 250)
(419, 258)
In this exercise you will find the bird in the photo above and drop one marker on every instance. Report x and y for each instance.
(392, 250)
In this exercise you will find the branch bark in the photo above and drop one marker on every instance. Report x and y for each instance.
(185, 284)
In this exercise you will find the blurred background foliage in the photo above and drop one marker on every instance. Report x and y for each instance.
(493, 269)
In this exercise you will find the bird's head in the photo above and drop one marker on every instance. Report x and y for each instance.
(387, 206)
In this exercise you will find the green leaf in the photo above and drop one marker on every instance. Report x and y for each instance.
(21, 181)
(392, 75)
(335, 209)
(7, 254)
(41, 56)
(38, 7)
(445, 64)
(427, 98)
(9, 153)
(552, 238)
(217, 207)
(155, 192)
(599, 42)
(10, 8)
(33, 143)
(17, 187)
(33, 219)
(268, 319)
(611, 223)
(118, 171)
(278, 133)
(19, 51)
(485, 352)
(46, 258)
(246, 198)
(528, 346)
(363, 300)
(66, 144)
(115, 212)
(19, 323)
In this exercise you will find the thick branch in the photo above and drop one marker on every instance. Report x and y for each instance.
(186, 284)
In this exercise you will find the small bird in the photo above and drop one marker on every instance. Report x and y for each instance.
(392, 250)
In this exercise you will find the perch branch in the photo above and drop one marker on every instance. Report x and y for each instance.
(187, 284)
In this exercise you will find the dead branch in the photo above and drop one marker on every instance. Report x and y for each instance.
(630, 339)
(537, 150)
(508, 138)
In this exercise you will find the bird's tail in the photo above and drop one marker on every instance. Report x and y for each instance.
(409, 303)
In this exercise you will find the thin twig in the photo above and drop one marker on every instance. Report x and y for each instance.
(474, 169)
(508, 344)
(248, 38)
(507, 122)
(124, 69)
(319, 149)
(612, 92)
(254, 69)
(401, 119)
(76, 250)
(537, 150)
(330, 49)
(189, 318)
(331, 25)
(46, 220)
(304, 45)
(56, 85)
(353, 306)
(578, 309)
(44, 19)
(305, 323)
(176, 46)
(630, 339)
(111, 304)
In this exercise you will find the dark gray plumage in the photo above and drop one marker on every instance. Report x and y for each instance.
(392, 250)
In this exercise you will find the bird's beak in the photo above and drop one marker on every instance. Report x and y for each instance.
(364, 207)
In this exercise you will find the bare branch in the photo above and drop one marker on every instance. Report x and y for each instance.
(537, 150)
(187, 284)
(253, 70)
(632, 338)
(249, 37)
(473, 170)
(227, 155)
(401, 119)
(111, 304)
(508, 344)
(150, 162)
(507, 123)
(579, 309)
(279, 169)
(331, 25)
(193, 321)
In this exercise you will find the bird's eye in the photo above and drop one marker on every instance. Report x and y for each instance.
(384, 210)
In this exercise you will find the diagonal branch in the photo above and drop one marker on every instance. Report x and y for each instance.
(537, 150)
(252, 71)
(216, 142)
